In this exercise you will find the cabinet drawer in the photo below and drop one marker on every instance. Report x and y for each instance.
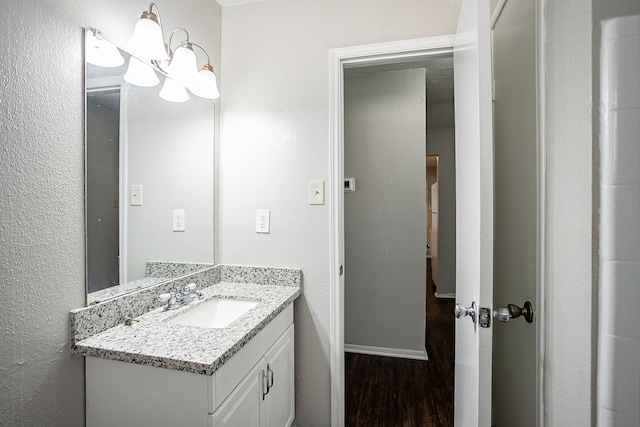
(227, 378)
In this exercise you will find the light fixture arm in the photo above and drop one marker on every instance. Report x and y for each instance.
(171, 38)
(205, 52)
(157, 15)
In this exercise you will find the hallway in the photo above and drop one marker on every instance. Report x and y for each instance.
(393, 392)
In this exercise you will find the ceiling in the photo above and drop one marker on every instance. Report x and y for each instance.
(439, 75)
(235, 2)
(439, 85)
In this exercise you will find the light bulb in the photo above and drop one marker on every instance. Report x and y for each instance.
(101, 52)
(140, 74)
(183, 66)
(206, 85)
(146, 40)
(173, 91)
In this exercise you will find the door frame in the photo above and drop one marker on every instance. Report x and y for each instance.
(339, 59)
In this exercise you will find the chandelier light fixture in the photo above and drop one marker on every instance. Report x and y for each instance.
(150, 55)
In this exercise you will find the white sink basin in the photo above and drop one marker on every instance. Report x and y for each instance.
(215, 313)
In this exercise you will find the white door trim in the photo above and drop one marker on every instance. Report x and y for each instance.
(541, 108)
(349, 57)
(124, 186)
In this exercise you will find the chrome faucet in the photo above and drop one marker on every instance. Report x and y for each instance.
(179, 297)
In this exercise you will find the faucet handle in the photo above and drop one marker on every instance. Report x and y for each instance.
(164, 297)
(190, 287)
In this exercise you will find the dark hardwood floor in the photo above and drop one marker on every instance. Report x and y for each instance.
(393, 392)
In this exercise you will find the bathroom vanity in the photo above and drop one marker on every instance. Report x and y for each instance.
(221, 350)
(159, 370)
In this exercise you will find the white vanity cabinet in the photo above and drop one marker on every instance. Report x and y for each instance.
(265, 398)
(253, 388)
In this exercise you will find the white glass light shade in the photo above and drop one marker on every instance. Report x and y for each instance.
(146, 40)
(183, 66)
(101, 52)
(206, 85)
(140, 74)
(173, 91)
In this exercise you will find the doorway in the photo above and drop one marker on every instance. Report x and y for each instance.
(390, 111)
(476, 210)
(341, 59)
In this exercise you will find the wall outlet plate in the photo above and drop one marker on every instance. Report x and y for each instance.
(178, 220)
(263, 220)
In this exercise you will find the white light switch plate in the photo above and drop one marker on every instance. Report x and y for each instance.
(135, 194)
(178, 220)
(263, 219)
(316, 192)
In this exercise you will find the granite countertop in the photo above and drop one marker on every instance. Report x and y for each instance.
(154, 342)
(115, 291)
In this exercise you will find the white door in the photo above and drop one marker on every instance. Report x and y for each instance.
(516, 209)
(474, 211)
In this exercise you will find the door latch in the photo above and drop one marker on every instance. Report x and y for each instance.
(481, 316)
(484, 319)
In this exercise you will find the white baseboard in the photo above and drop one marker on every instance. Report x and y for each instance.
(449, 295)
(388, 352)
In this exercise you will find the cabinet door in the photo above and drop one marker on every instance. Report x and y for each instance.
(243, 408)
(280, 399)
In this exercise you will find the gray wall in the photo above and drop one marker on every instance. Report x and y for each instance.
(384, 220)
(170, 153)
(441, 142)
(42, 258)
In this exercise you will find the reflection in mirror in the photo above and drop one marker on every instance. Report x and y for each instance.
(149, 183)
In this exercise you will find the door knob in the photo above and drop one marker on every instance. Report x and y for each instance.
(461, 311)
(512, 311)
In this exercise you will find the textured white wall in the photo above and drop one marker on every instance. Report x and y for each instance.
(385, 224)
(569, 281)
(42, 191)
(275, 138)
(441, 142)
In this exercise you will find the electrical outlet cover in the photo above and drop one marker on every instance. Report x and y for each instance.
(263, 219)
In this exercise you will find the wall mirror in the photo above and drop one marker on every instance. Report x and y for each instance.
(149, 182)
